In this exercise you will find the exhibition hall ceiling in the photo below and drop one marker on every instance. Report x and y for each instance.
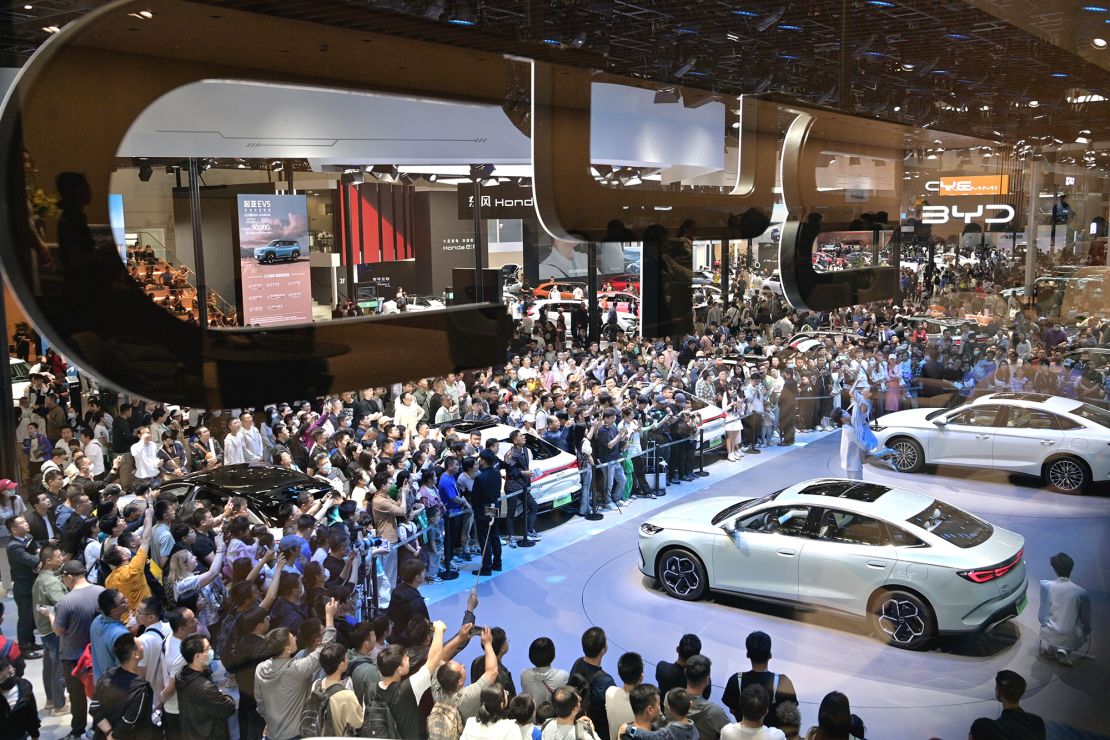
(991, 68)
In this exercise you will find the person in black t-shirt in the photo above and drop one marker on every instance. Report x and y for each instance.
(588, 667)
(402, 692)
(673, 675)
(1014, 723)
(779, 687)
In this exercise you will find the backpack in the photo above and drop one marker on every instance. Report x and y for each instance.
(316, 715)
(445, 722)
(377, 718)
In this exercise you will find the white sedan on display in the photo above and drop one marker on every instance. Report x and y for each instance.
(1063, 441)
(915, 567)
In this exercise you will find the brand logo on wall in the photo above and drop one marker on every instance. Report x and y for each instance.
(498, 201)
(1004, 214)
(971, 185)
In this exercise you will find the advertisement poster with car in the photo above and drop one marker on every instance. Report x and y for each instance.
(273, 259)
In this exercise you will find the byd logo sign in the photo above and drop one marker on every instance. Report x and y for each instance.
(944, 214)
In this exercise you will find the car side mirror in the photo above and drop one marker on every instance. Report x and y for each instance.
(940, 423)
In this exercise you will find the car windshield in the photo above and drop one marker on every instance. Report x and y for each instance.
(1092, 413)
(952, 525)
(540, 449)
(21, 371)
(735, 509)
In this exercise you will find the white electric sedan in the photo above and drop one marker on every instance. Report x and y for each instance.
(914, 566)
(1063, 441)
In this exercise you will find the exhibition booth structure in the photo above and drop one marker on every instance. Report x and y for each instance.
(281, 199)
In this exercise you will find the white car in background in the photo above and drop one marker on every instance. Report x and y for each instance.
(414, 304)
(21, 377)
(773, 283)
(556, 481)
(1063, 441)
(915, 567)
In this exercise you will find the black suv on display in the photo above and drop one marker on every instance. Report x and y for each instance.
(265, 487)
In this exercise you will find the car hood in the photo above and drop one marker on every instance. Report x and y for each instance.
(696, 516)
(908, 418)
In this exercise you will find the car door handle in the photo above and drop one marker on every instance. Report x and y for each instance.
(1047, 442)
(982, 436)
(787, 553)
(876, 563)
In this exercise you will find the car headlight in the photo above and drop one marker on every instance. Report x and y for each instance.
(649, 529)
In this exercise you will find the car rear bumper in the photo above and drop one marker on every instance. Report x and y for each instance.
(549, 495)
(990, 614)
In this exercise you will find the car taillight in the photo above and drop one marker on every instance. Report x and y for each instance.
(559, 469)
(982, 575)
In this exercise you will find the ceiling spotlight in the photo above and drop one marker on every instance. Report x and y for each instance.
(1098, 43)
(51, 29)
(770, 19)
(685, 67)
(1034, 103)
(28, 7)
(580, 40)
(907, 67)
(1082, 139)
(433, 177)
(897, 108)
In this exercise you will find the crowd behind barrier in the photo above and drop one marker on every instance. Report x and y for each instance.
(95, 547)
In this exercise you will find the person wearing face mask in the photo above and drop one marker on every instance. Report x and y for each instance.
(328, 473)
(18, 712)
(204, 709)
(122, 702)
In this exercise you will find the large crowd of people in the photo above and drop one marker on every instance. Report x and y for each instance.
(131, 598)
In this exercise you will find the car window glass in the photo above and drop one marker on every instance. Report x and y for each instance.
(211, 500)
(179, 491)
(1065, 423)
(901, 538)
(788, 520)
(1022, 418)
(850, 528)
(976, 416)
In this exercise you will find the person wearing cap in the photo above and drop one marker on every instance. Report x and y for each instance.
(485, 494)
(608, 446)
(71, 621)
(11, 504)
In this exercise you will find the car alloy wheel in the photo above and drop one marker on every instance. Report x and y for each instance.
(1067, 475)
(908, 455)
(902, 619)
(682, 575)
(296, 254)
(268, 257)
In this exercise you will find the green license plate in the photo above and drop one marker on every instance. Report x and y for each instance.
(1022, 603)
(716, 442)
(562, 501)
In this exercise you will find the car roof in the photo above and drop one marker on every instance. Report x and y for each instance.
(872, 499)
(1030, 400)
(256, 480)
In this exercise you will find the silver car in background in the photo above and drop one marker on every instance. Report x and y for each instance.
(915, 567)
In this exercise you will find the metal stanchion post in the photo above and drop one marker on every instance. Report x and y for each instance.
(701, 472)
(658, 490)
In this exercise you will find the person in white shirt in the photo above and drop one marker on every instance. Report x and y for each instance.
(145, 453)
(754, 702)
(563, 262)
(252, 438)
(1065, 612)
(94, 452)
(153, 638)
(235, 444)
(183, 622)
(618, 708)
(554, 293)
